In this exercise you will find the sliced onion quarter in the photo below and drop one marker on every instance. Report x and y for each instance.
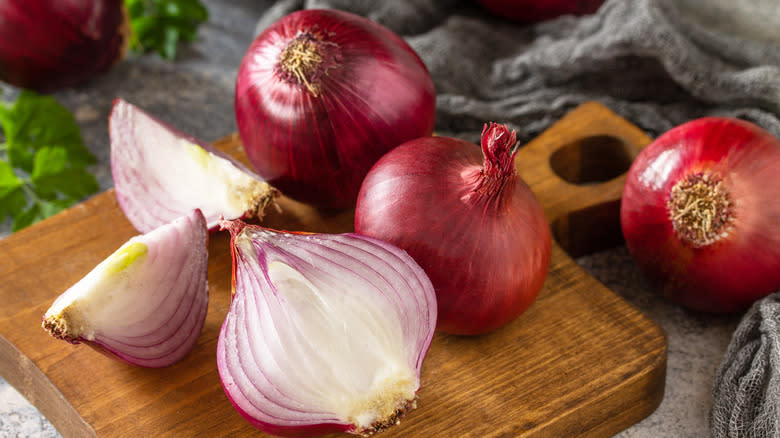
(161, 173)
(144, 304)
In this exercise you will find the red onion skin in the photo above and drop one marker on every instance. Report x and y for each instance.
(375, 94)
(728, 275)
(539, 10)
(413, 198)
(298, 431)
(313, 430)
(49, 45)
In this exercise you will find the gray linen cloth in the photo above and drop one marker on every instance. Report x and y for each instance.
(746, 394)
(657, 63)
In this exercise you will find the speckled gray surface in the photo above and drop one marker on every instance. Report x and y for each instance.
(195, 95)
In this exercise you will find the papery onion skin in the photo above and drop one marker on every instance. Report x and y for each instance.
(315, 136)
(471, 222)
(161, 173)
(49, 45)
(740, 262)
(265, 341)
(530, 11)
(146, 303)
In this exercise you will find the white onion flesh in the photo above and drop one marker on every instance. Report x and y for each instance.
(145, 303)
(325, 332)
(160, 173)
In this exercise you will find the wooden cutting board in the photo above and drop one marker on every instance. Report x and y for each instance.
(580, 362)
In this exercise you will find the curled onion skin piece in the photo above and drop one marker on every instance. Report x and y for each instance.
(700, 213)
(46, 46)
(325, 332)
(146, 303)
(468, 219)
(161, 173)
(321, 95)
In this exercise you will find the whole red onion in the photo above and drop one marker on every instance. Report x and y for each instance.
(321, 95)
(540, 10)
(48, 45)
(468, 219)
(700, 214)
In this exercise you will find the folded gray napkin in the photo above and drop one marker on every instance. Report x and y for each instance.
(746, 393)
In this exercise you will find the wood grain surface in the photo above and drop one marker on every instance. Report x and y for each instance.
(580, 362)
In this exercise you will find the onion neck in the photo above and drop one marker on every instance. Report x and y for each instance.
(700, 209)
(306, 59)
(498, 175)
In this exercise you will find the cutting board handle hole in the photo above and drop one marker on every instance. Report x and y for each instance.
(590, 229)
(593, 159)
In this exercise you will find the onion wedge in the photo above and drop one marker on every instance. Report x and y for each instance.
(146, 303)
(161, 173)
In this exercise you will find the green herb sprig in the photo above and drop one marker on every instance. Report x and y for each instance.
(159, 25)
(43, 160)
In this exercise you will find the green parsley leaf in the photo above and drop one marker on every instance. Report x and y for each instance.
(12, 199)
(38, 211)
(43, 161)
(159, 25)
(12, 203)
(8, 179)
(35, 121)
(27, 217)
(53, 171)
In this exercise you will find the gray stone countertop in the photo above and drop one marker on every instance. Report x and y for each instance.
(195, 94)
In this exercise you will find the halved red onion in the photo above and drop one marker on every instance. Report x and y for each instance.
(161, 173)
(146, 303)
(325, 332)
